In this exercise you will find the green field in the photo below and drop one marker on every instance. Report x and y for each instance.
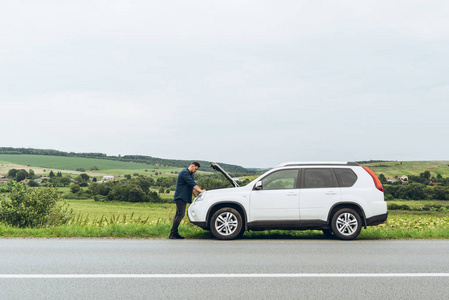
(105, 166)
(118, 168)
(398, 168)
(91, 209)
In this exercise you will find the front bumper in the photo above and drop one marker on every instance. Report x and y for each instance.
(194, 218)
(202, 225)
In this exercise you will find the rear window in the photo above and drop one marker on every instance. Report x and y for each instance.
(318, 178)
(345, 177)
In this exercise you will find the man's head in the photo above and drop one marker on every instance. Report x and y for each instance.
(194, 166)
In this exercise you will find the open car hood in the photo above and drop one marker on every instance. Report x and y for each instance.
(216, 167)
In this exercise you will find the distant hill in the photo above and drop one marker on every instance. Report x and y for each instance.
(141, 159)
(388, 168)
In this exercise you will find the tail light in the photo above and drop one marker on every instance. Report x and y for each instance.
(376, 180)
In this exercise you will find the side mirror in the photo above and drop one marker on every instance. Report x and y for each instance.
(258, 185)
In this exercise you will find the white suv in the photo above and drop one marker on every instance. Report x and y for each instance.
(337, 198)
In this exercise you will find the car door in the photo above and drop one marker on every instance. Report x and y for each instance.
(276, 197)
(319, 191)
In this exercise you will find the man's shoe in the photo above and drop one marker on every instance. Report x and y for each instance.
(175, 236)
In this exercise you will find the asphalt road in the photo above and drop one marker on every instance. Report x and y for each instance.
(211, 269)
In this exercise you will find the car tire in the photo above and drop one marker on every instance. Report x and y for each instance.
(226, 224)
(328, 233)
(346, 224)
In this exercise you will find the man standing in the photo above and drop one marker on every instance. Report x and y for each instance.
(185, 186)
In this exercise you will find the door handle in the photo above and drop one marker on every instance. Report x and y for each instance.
(292, 194)
(331, 193)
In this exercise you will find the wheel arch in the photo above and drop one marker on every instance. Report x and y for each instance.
(232, 204)
(356, 207)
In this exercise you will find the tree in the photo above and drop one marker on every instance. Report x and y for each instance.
(12, 173)
(65, 181)
(75, 188)
(143, 182)
(21, 175)
(84, 176)
(425, 174)
(33, 183)
(51, 175)
(154, 197)
(382, 178)
(137, 195)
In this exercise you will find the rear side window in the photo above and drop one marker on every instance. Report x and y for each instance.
(345, 177)
(318, 178)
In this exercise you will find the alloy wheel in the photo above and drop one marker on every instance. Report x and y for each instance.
(226, 223)
(347, 223)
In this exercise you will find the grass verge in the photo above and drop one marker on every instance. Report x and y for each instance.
(143, 220)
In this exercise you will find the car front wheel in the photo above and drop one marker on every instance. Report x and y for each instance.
(346, 224)
(226, 223)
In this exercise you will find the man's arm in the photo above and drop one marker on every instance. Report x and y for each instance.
(197, 188)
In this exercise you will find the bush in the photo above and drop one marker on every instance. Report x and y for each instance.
(78, 196)
(31, 207)
(33, 183)
(75, 188)
(394, 206)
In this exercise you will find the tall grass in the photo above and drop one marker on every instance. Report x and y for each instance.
(105, 226)
(400, 225)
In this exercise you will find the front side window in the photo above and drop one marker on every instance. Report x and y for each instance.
(284, 179)
(318, 178)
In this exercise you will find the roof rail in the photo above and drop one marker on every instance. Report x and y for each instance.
(332, 163)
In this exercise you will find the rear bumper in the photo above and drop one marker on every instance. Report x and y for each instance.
(379, 219)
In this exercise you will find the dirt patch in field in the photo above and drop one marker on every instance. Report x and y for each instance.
(5, 167)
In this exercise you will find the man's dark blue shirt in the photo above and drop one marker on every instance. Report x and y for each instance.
(184, 186)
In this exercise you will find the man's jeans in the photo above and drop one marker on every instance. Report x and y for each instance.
(180, 213)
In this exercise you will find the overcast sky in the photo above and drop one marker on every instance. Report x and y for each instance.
(253, 83)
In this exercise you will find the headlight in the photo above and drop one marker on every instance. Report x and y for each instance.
(200, 197)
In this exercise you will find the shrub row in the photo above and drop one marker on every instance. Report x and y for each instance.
(134, 190)
(415, 191)
(433, 207)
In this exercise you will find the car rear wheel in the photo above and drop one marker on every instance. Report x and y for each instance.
(226, 223)
(327, 233)
(346, 224)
